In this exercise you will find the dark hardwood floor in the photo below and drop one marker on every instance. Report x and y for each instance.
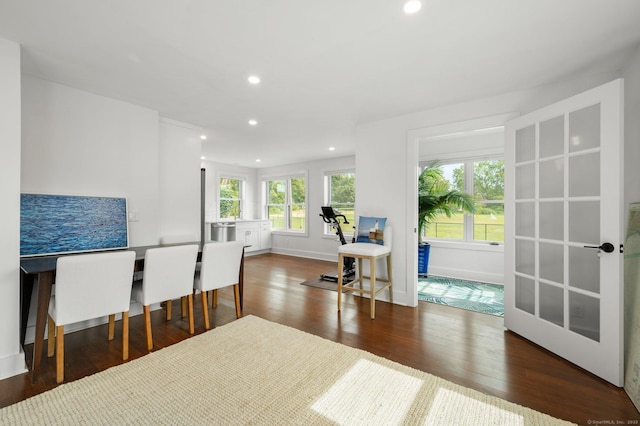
(467, 348)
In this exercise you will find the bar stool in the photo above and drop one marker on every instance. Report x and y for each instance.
(371, 252)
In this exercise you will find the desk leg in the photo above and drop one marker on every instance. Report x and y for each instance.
(45, 282)
(241, 279)
(26, 290)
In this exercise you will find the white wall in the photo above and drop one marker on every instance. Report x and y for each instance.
(11, 355)
(179, 179)
(75, 142)
(631, 74)
(315, 244)
(386, 163)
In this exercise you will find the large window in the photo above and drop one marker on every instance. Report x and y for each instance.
(230, 197)
(287, 203)
(340, 193)
(484, 179)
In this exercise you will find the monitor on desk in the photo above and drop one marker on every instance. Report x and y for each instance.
(57, 224)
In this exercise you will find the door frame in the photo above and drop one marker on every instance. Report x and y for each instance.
(413, 159)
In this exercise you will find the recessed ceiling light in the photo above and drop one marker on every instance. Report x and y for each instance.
(253, 79)
(412, 6)
(253, 122)
(258, 160)
(203, 158)
(332, 148)
(203, 137)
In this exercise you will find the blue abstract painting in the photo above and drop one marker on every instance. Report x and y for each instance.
(52, 224)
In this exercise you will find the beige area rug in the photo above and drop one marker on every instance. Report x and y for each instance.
(256, 372)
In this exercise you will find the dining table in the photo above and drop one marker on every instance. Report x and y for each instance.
(40, 271)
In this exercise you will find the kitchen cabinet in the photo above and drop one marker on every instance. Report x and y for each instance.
(254, 233)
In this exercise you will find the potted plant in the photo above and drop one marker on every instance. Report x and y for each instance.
(435, 197)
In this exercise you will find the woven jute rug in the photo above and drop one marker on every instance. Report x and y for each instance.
(255, 372)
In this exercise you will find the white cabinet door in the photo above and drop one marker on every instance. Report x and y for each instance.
(265, 235)
(248, 232)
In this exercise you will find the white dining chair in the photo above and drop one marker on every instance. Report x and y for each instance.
(168, 274)
(90, 286)
(181, 238)
(220, 268)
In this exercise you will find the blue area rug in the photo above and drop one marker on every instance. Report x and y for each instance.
(470, 295)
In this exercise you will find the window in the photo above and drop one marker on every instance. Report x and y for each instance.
(484, 179)
(488, 191)
(287, 203)
(230, 197)
(443, 226)
(340, 193)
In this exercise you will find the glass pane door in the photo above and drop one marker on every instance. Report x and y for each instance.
(562, 282)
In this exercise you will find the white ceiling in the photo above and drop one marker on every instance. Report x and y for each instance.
(325, 65)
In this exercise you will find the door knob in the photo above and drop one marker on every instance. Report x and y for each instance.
(605, 247)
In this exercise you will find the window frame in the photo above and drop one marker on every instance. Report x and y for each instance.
(287, 206)
(242, 192)
(469, 219)
(493, 201)
(327, 229)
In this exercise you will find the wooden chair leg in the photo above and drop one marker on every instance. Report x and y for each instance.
(183, 306)
(205, 309)
(125, 335)
(112, 326)
(214, 299)
(51, 341)
(190, 305)
(360, 272)
(147, 326)
(372, 286)
(390, 279)
(236, 296)
(60, 354)
(169, 306)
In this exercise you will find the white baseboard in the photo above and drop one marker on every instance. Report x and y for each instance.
(256, 252)
(12, 365)
(463, 274)
(306, 254)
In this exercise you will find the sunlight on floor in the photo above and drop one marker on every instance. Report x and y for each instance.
(369, 391)
(459, 409)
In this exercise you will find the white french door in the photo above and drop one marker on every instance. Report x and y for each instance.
(564, 229)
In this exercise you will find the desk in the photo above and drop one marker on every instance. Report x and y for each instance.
(44, 269)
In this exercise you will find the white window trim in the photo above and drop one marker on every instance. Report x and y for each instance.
(243, 190)
(327, 233)
(286, 176)
(468, 241)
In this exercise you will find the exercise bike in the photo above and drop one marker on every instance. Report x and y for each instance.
(329, 216)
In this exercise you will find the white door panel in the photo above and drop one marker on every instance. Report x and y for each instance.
(563, 193)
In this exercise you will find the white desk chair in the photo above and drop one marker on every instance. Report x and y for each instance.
(220, 268)
(90, 286)
(168, 274)
(371, 252)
